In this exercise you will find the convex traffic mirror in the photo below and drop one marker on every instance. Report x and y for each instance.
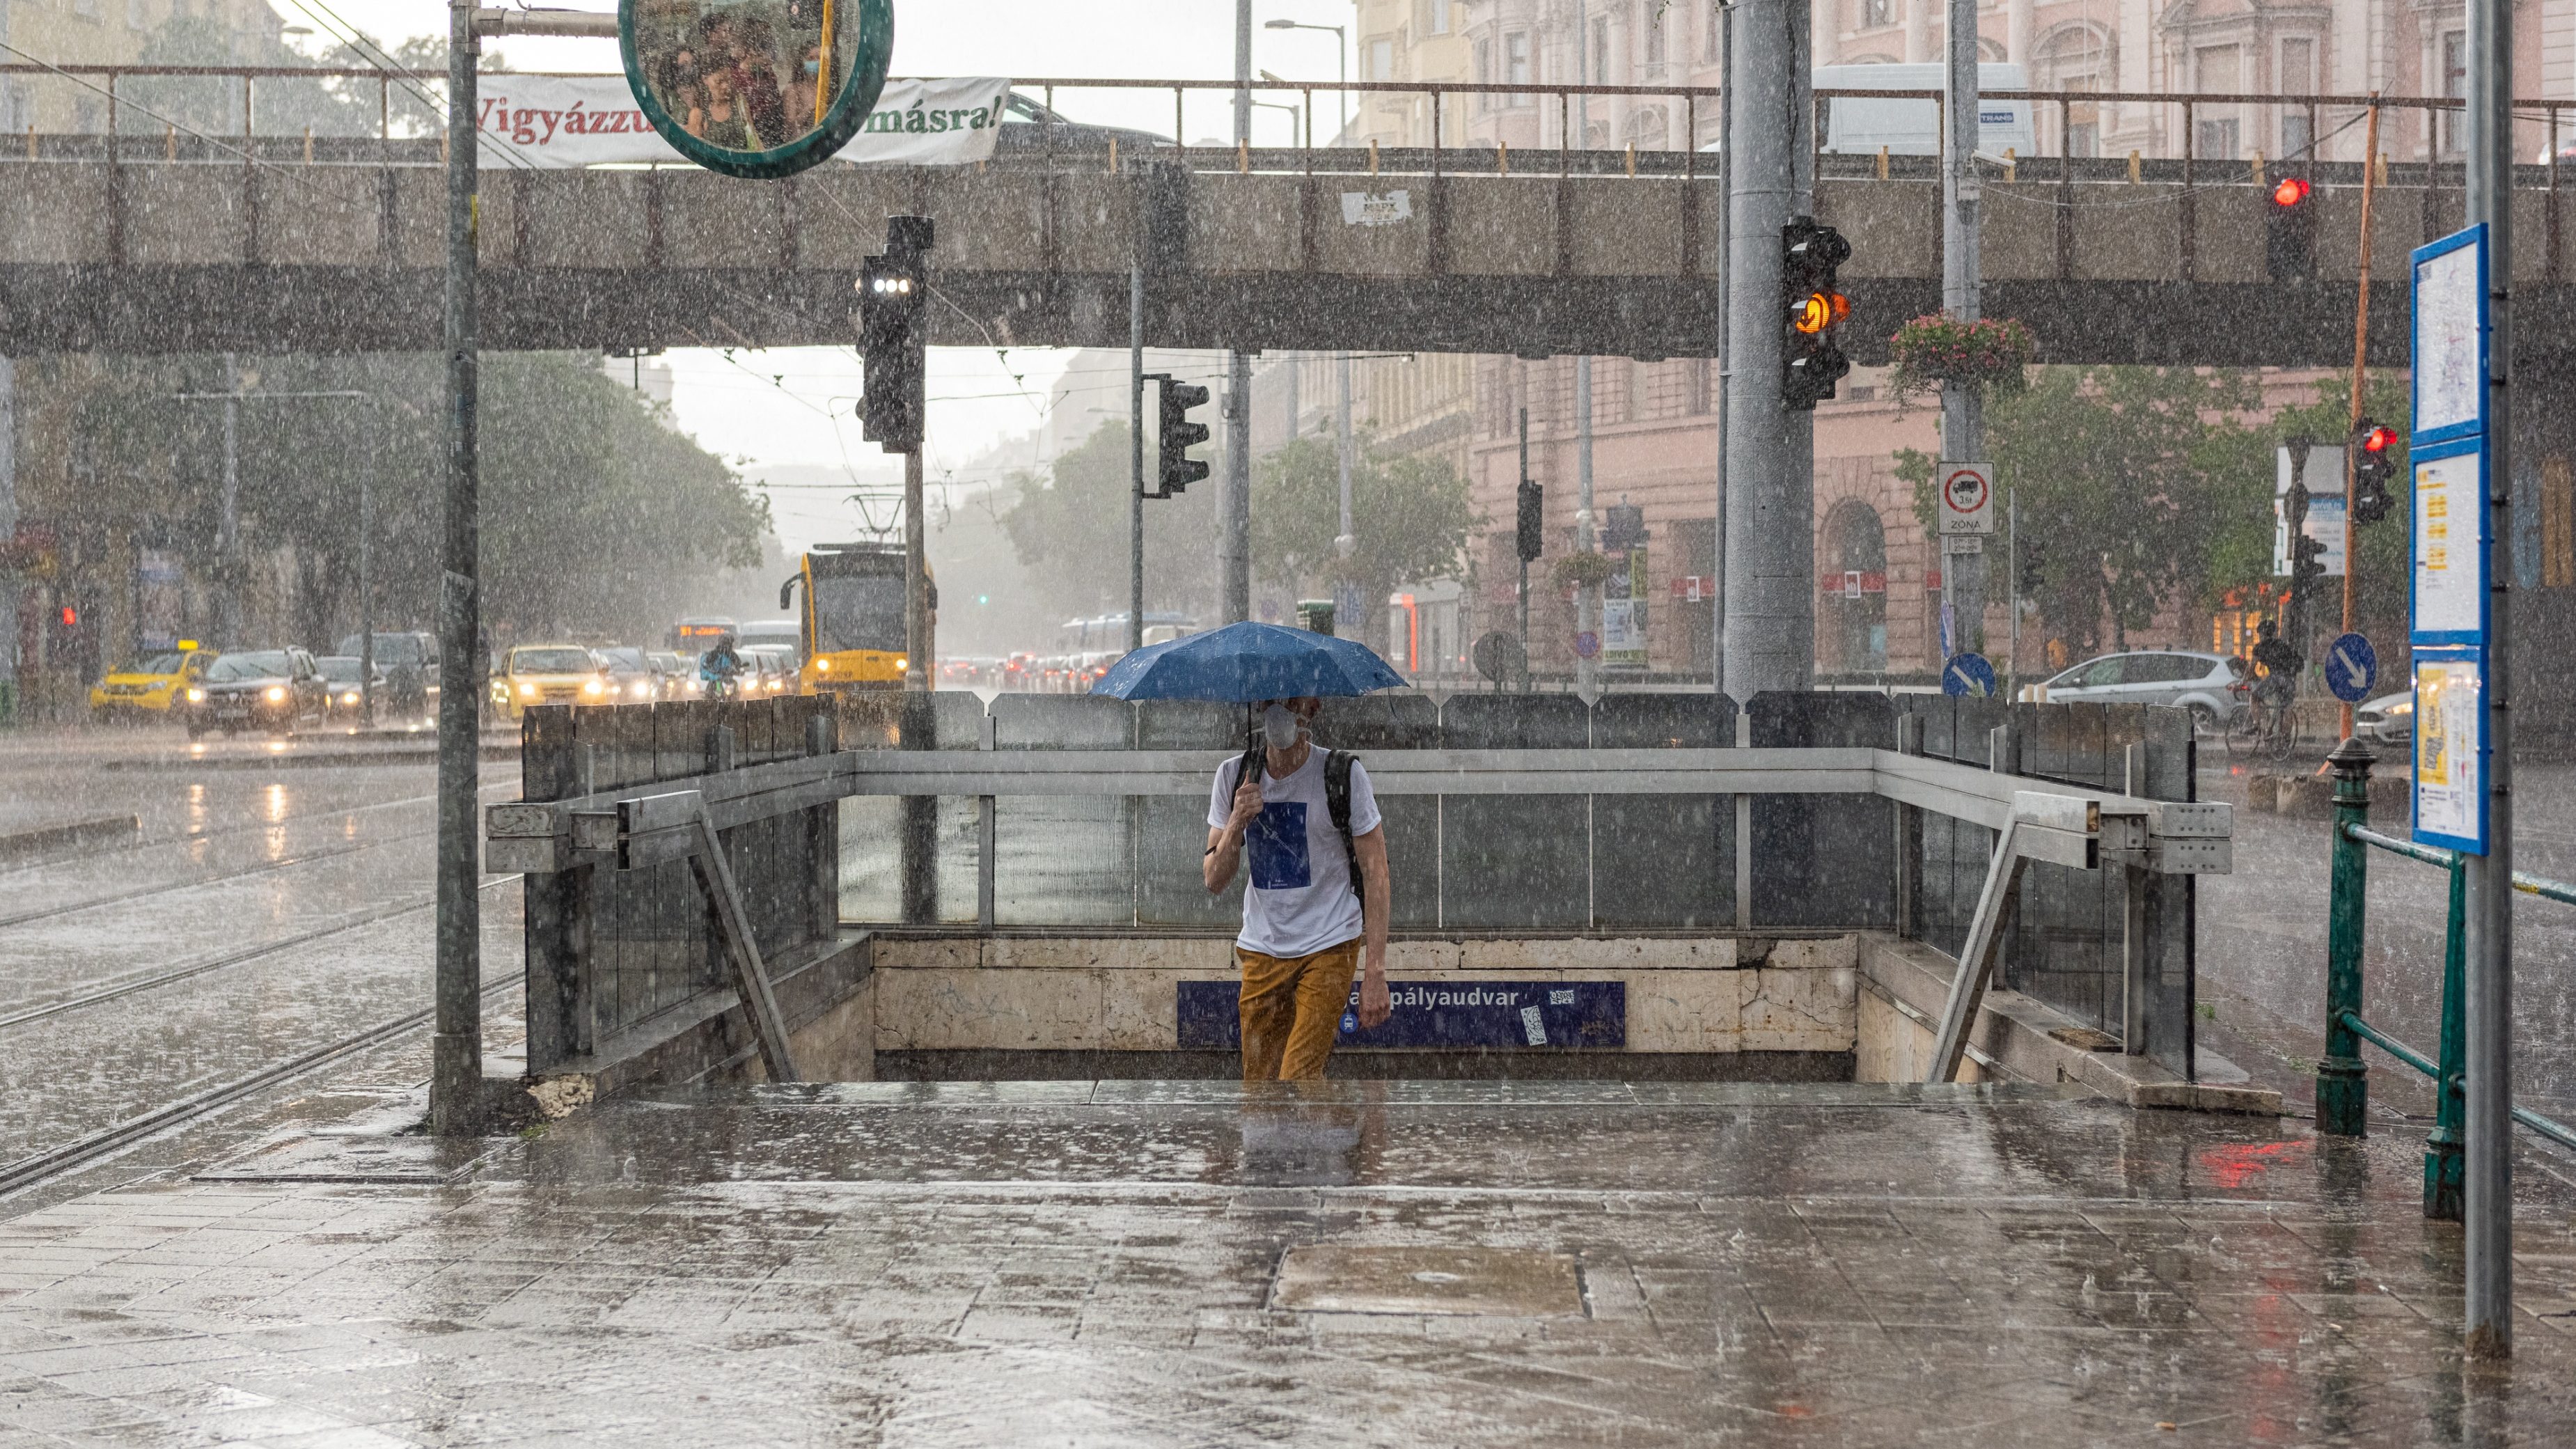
(757, 88)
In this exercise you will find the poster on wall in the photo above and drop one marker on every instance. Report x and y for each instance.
(1623, 615)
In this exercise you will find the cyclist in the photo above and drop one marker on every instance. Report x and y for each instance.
(2280, 664)
(720, 666)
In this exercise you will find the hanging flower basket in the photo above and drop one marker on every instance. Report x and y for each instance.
(1581, 570)
(1929, 351)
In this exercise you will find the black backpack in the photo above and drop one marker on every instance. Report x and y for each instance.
(1337, 800)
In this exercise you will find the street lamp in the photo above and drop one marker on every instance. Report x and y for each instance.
(1289, 106)
(1341, 59)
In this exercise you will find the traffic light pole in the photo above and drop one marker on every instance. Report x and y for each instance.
(1234, 513)
(916, 579)
(1136, 456)
(2352, 430)
(1770, 577)
(456, 1053)
(1963, 423)
(1524, 553)
(2489, 1077)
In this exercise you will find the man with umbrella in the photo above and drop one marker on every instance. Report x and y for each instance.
(1316, 904)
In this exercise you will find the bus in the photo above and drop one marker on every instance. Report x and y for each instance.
(850, 619)
(694, 637)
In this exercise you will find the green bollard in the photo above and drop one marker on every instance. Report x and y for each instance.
(2443, 1184)
(2343, 1083)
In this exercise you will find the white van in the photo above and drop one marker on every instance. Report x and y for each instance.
(1912, 127)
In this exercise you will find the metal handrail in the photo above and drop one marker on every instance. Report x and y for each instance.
(2339, 1092)
(2523, 881)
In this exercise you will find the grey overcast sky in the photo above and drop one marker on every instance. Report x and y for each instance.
(792, 406)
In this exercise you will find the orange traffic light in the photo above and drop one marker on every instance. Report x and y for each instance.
(1820, 310)
(2291, 191)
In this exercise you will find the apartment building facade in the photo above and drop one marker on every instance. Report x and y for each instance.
(1654, 426)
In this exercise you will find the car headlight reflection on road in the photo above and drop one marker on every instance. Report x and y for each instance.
(277, 694)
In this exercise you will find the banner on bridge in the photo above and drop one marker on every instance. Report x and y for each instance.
(559, 121)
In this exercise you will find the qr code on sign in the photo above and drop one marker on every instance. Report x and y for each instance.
(1560, 998)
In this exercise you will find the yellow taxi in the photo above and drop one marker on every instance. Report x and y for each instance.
(548, 674)
(154, 687)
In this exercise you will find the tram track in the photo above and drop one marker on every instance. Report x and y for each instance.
(53, 1162)
(134, 985)
(168, 887)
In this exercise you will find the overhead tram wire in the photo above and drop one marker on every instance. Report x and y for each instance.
(385, 65)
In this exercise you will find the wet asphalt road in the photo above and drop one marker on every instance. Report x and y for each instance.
(265, 908)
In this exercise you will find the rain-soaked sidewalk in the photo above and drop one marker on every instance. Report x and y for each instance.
(1381, 1263)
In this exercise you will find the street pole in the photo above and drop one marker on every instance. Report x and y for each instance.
(916, 579)
(1963, 577)
(1235, 512)
(2012, 583)
(1524, 478)
(228, 520)
(1725, 361)
(1345, 543)
(1587, 612)
(1770, 578)
(367, 580)
(2489, 1082)
(8, 531)
(2360, 351)
(1582, 137)
(456, 1072)
(1136, 457)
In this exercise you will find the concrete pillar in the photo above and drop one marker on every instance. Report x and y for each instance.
(1770, 451)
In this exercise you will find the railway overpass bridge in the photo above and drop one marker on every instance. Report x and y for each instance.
(1469, 250)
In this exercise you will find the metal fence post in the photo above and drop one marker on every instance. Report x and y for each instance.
(984, 837)
(2445, 1179)
(2343, 1083)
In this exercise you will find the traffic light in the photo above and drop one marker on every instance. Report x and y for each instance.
(1175, 469)
(1811, 305)
(1532, 522)
(2290, 232)
(2374, 462)
(894, 299)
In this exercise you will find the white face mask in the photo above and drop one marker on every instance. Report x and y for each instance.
(1279, 727)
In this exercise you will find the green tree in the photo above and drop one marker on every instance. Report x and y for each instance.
(1071, 527)
(2132, 484)
(1410, 518)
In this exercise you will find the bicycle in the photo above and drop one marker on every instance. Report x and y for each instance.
(2261, 728)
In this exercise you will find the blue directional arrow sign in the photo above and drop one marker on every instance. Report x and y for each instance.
(1969, 675)
(2352, 667)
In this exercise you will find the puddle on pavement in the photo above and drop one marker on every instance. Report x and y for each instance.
(1480, 1282)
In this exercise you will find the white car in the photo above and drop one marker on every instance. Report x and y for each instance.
(2182, 678)
(2387, 720)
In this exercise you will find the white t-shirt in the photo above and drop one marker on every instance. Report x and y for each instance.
(1298, 899)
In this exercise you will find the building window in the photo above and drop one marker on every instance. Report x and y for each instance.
(1516, 64)
(2084, 139)
(2216, 141)
(2297, 77)
(1875, 13)
(134, 16)
(1381, 60)
(1434, 19)
(1654, 32)
(1598, 62)
(1709, 46)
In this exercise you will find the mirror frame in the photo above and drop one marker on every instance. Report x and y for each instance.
(849, 109)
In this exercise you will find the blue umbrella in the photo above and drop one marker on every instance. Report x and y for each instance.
(1245, 664)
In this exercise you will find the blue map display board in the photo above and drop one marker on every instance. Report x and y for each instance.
(1520, 1015)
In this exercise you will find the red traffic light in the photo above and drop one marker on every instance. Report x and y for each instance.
(2378, 439)
(71, 617)
(2291, 191)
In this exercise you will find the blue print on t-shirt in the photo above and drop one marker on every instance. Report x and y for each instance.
(1278, 841)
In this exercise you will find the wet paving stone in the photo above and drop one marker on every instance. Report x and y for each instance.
(932, 1265)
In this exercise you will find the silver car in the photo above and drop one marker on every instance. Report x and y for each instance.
(2185, 679)
(2387, 720)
